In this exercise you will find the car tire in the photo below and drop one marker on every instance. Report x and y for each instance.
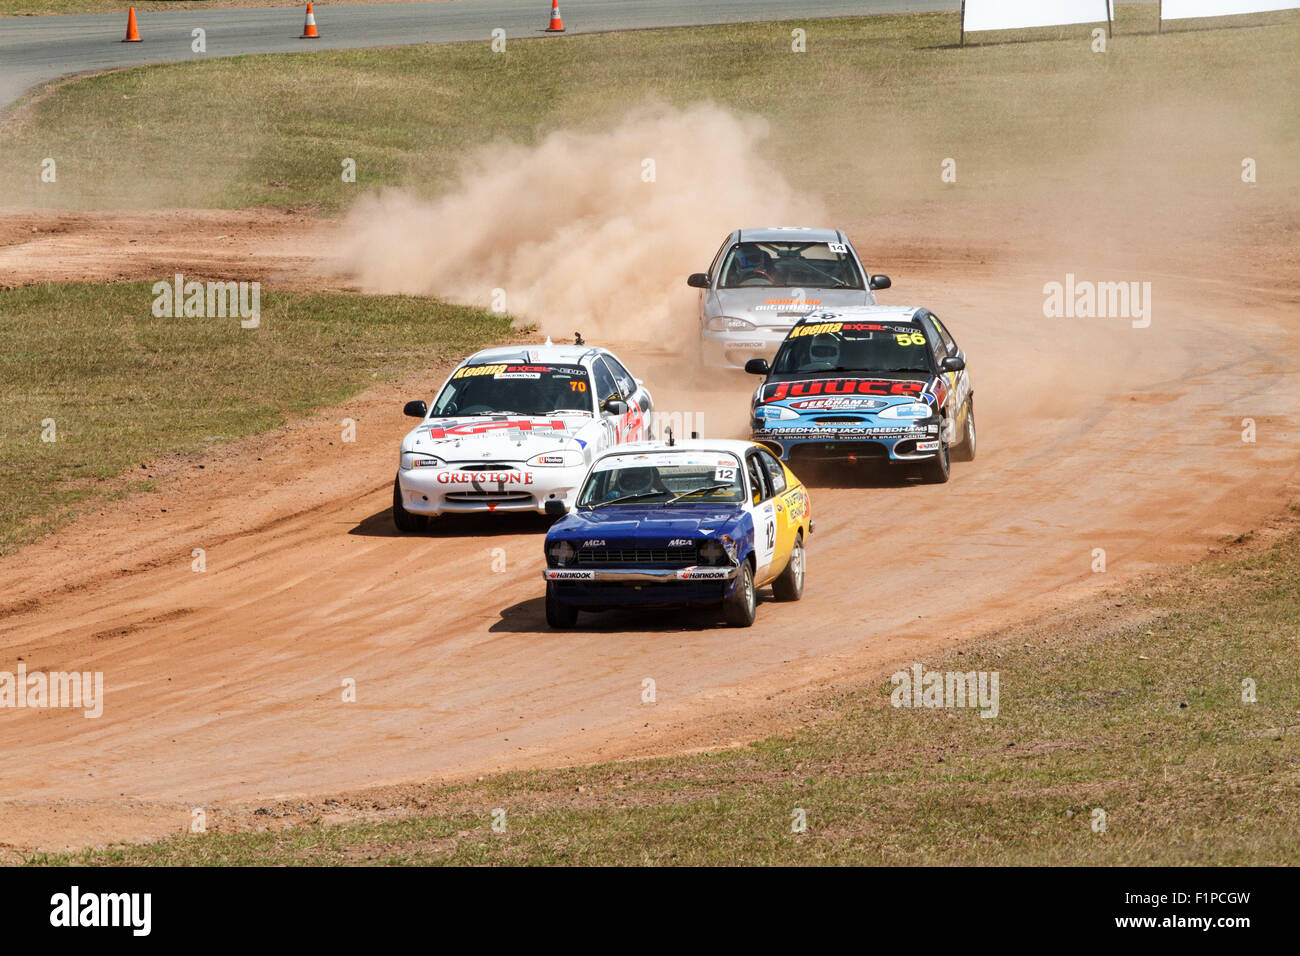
(406, 522)
(966, 450)
(559, 616)
(741, 605)
(936, 470)
(789, 585)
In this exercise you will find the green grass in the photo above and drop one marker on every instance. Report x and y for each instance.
(124, 387)
(1143, 719)
(874, 103)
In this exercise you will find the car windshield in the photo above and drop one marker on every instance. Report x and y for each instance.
(664, 479)
(802, 265)
(504, 389)
(852, 347)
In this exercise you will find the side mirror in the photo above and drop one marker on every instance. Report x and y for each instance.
(554, 508)
(698, 280)
(880, 282)
(953, 363)
(616, 406)
(757, 367)
(415, 409)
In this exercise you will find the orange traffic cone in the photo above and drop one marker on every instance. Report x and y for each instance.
(309, 28)
(557, 25)
(132, 32)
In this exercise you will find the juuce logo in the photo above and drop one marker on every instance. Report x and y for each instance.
(103, 909)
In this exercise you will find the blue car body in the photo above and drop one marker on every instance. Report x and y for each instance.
(645, 555)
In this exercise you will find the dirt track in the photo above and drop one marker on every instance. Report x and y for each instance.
(225, 686)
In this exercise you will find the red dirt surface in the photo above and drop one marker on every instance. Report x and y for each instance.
(224, 687)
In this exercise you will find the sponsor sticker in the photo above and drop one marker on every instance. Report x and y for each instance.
(841, 386)
(703, 574)
(475, 429)
(490, 477)
(561, 574)
(837, 404)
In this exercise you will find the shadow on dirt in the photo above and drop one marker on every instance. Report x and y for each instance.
(380, 525)
(529, 617)
(856, 475)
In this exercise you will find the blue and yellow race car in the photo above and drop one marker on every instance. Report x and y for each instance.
(703, 523)
(873, 382)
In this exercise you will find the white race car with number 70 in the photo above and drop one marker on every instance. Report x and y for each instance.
(514, 428)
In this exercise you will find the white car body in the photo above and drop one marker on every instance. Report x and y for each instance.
(494, 461)
(750, 319)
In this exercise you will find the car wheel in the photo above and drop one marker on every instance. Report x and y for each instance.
(789, 586)
(740, 606)
(966, 450)
(935, 471)
(559, 616)
(403, 519)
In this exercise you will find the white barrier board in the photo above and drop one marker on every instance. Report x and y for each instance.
(1014, 14)
(1187, 9)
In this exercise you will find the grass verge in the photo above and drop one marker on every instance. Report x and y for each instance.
(1132, 705)
(879, 101)
(121, 387)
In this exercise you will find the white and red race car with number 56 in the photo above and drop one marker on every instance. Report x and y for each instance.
(514, 428)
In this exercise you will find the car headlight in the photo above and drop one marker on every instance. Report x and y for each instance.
(556, 459)
(726, 323)
(560, 553)
(415, 459)
(909, 410)
(774, 412)
(712, 552)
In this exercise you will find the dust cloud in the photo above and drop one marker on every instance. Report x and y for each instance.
(589, 231)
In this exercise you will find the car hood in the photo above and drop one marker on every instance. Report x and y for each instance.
(780, 306)
(652, 525)
(500, 437)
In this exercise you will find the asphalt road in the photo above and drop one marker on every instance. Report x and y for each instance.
(36, 49)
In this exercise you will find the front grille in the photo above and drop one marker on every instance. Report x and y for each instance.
(638, 557)
(838, 419)
(482, 466)
(489, 496)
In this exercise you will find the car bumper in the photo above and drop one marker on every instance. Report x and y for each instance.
(635, 575)
(438, 491)
(734, 349)
(602, 588)
(873, 442)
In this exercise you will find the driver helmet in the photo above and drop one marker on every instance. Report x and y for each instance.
(635, 481)
(750, 257)
(825, 348)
